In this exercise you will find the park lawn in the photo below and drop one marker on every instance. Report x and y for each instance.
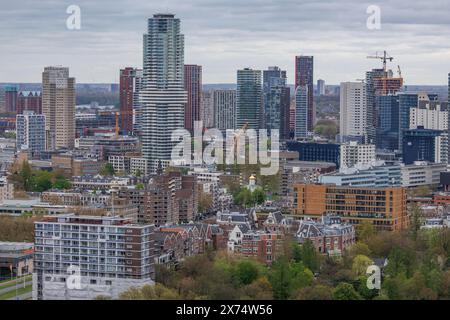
(12, 293)
(9, 283)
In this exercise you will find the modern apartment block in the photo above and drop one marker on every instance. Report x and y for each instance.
(193, 87)
(163, 96)
(248, 98)
(30, 132)
(83, 257)
(385, 208)
(129, 88)
(171, 198)
(207, 114)
(301, 112)
(58, 106)
(224, 109)
(304, 76)
(353, 112)
(353, 153)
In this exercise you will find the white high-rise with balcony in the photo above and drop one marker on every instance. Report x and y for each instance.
(163, 97)
(353, 111)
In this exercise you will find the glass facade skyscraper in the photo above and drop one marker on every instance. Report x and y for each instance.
(248, 98)
(276, 101)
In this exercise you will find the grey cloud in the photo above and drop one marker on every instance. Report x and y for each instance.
(224, 35)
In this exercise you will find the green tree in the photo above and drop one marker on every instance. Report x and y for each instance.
(280, 278)
(360, 264)
(107, 170)
(309, 256)
(247, 272)
(317, 292)
(258, 196)
(345, 291)
(365, 231)
(416, 220)
(140, 186)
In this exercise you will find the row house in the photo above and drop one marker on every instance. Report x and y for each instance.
(263, 246)
(277, 222)
(330, 236)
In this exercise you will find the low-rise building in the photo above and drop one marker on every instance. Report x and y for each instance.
(16, 259)
(330, 236)
(384, 208)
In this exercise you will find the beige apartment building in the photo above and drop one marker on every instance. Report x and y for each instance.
(58, 106)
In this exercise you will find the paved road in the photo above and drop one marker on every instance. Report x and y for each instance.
(25, 296)
(18, 286)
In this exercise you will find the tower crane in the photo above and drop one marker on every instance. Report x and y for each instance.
(384, 58)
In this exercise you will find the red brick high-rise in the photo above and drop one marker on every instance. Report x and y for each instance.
(11, 99)
(128, 91)
(304, 76)
(29, 101)
(193, 86)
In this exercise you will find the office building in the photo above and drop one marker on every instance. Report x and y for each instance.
(320, 87)
(422, 173)
(30, 133)
(406, 101)
(353, 112)
(304, 76)
(378, 82)
(129, 88)
(224, 109)
(110, 255)
(58, 106)
(384, 208)
(376, 174)
(314, 151)
(353, 153)
(248, 98)
(276, 97)
(193, 87)
(163, 97)
(388, 122)
(301, 112)
(422, 145)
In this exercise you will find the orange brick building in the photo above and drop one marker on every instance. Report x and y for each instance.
(385, 208)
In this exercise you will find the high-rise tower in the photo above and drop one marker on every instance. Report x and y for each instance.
(163, 96)
(248, 98)
(304, 76)
(58, 106)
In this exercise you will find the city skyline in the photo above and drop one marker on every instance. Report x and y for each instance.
(257, 35)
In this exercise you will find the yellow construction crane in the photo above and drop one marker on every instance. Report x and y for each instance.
(384, 58)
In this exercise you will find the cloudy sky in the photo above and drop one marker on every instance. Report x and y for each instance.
(224, 35)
